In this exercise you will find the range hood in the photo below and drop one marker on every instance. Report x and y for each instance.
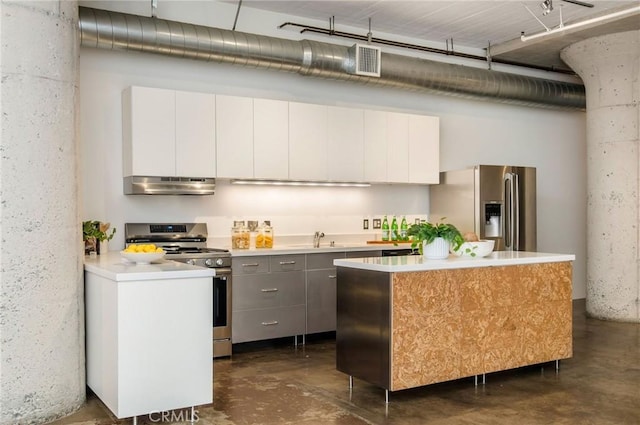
(146, 185)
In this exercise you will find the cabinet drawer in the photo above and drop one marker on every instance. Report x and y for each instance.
(285, 263)
(255, 325)
(250, 265)
(322, 261)
(268, 290)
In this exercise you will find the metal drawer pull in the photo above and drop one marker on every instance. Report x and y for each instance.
(275, 322)
(284, 263)
(269, 290)
(250, 265)
(332, 276)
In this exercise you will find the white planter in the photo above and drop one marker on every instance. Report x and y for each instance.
(436, 250)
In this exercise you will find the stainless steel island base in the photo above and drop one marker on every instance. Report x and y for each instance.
(363, 343)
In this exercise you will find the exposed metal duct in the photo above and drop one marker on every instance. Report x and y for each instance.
(121, 31)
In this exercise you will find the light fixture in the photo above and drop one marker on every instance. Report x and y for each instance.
(298, 183)
(547, 7)
(587, 22)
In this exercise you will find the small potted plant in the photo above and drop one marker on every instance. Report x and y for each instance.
(95, 233)
(435, 240)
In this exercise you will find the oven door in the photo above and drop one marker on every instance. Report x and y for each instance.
(222, 313)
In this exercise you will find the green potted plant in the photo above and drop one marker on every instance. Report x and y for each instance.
(434, 240)
(95, 233)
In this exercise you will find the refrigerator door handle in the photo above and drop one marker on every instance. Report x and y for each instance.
(508, 213)
(515, 218)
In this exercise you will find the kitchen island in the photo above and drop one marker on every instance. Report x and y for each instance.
(403, 322)
(149, 330)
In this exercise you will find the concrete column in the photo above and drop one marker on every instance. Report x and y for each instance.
(610, 68)
(41, 286)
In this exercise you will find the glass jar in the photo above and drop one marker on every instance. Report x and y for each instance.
(240, 236)
(264, 239)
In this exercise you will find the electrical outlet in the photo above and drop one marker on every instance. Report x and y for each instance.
(365, 223)
(377, 223)
(417, 221)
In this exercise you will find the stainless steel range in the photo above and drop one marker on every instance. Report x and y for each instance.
(187, 243)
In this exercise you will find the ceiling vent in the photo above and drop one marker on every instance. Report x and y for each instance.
(367, 59)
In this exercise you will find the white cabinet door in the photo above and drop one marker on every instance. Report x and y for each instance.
(424, 149)
(307, 141)
(345, 144)
(148, 132)
(375, 146)
(234, 136)
(397, 147)
(270, 139)
(195, 134)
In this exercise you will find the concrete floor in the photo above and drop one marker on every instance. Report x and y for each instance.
(276, 383)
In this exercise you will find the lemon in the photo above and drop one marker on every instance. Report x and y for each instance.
(143, 248)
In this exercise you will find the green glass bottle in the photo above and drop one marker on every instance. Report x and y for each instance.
(385, 229)
(404, 229)
(394, 229)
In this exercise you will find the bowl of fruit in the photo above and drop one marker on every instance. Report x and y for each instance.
(142, 253)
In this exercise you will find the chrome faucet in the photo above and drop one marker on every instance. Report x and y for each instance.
(316, 239)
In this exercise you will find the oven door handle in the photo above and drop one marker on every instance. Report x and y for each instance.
(222, 271)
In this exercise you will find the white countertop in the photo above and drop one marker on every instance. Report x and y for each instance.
(309, 249)
(415, 263)
(113, 266)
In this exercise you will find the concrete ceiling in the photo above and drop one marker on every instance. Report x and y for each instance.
(469, 24)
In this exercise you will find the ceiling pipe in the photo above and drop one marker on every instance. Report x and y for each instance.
(121, 31)
(448, 52)
(580, 24)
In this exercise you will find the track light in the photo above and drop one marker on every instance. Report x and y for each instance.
(547, 7)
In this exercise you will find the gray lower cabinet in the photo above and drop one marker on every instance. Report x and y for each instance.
(322, 287)
(321, 292)
(277, 296)
(268, 297)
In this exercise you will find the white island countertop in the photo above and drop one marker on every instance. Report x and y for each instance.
(416, 263)
(113, 266)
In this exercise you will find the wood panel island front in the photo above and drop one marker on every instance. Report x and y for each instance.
(405, 322)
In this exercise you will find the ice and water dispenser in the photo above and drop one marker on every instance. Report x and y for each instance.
(493, 219)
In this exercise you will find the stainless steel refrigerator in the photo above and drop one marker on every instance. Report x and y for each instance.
(495, 202)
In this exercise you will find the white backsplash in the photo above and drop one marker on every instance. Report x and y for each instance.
(337, 212)
(293, 230)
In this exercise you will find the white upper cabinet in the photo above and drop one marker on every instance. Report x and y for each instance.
(424, 149)
(184, 134)
(270, 139)
(411, 143)
(195, 134)
(168, 133)
(307, 141)
(397, 147)
(375, 146)
(149, 130)
(234, 136)
(345, 144)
